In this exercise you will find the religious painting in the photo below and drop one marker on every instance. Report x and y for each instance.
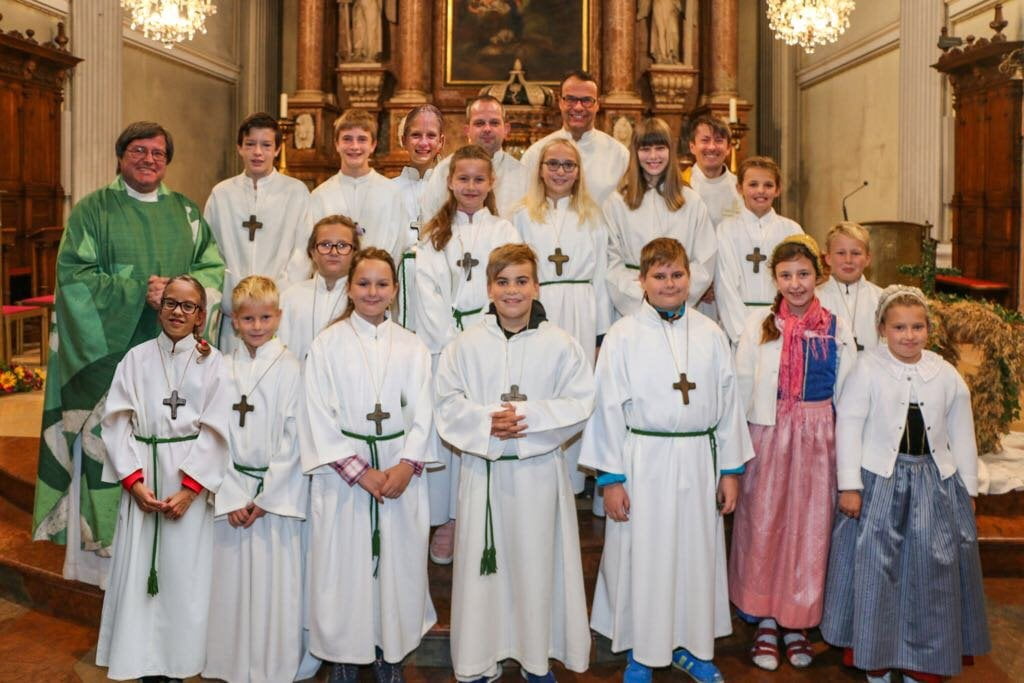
(485, 37)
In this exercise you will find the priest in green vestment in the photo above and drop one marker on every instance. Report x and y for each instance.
(121, 244)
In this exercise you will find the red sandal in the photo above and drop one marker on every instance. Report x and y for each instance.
(799, 646)
(766, 644)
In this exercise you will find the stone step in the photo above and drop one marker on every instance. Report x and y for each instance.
(19, 459)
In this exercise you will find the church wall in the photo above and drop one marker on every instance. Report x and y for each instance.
(849, 133)
(193, 91)
(41, 17)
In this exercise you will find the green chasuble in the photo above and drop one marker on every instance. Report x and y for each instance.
(111, 245)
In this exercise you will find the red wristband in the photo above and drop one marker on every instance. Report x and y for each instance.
(129, 481)
(191, 484)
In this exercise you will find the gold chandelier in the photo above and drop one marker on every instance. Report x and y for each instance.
(169, 21)
(809, 22)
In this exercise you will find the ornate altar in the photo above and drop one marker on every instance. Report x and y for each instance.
(669, 58)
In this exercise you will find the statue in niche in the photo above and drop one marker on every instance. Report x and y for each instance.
(366, 27)
(623, 131)
(664, 15)
(304, 131)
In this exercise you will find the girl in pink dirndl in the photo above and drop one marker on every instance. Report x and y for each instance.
(791, 362)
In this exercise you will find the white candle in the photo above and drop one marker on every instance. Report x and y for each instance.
(733, 118)
(284, 105)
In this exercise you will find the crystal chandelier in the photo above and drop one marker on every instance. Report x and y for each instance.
(809, 22)
(169, 21)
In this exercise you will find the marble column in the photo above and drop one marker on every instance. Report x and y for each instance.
(413, 50)
(724, 48)
(95, 94)
(778, 131)
(310, 68)
(261, 76)
(921, 116)
(619, 58)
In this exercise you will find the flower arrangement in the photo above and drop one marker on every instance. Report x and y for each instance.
(20, 378)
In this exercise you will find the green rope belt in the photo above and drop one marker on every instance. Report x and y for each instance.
(459, 315)
(152, 585)
(632, 266)
(254, 472)
(371, 441)
(565, 282)
(489, 559)
(757, 303)
(709, 432)
(405, 286)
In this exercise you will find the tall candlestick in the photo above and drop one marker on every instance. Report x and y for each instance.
(733, 117)
(284, 105)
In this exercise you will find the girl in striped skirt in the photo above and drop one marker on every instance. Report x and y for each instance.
(904, 587)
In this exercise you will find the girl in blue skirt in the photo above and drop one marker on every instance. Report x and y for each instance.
(904, 587)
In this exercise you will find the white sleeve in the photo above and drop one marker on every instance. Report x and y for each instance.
(851, 415)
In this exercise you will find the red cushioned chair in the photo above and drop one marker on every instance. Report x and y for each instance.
(12, 340)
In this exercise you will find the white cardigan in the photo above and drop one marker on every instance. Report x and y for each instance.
(872, 412)
(757, 366)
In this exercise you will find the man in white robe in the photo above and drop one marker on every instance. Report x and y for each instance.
(662, 589)
(485, 126)
(155, 608)
(358, 191)
(604, 159)
(517, 588)
(255, 627)
(258, 217)
(710, 176)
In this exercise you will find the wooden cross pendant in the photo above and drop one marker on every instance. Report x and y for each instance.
(558, 258)
(513, 394)
(173, 402)
(466, 263)
(684, 385)
(378, 416)
(756, 257)
(252, 225)
(243, 407)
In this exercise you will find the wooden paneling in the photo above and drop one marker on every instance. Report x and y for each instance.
(31, 91)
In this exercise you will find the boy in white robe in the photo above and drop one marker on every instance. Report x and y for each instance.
(258, 217)
(485, 126)
(255, 631)
(510, 391)
(165, 427)
(307, 307)
(365, 438)
(847, 293)
(746, 241)
(668, 450)
(710, 176)
(653, 202)
(371, 200)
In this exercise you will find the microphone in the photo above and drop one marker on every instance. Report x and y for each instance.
(859, 188)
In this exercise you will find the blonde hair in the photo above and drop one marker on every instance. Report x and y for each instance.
(510, 255)
(255, 289)
(765, 163)
(536, 200)
(900, 295)
(417, 111)
(663, 251)
(789, 249)
(368, 254)
(439, 228)
(855, 231)
(633, 186)
(356, 118)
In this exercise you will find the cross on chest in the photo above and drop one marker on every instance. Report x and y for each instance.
(252, 225)
(243, 407)
(559, 259)
(513, 394)
(174, 402)
(756, 258)
(466, 263)
(685, 386)
(378, 416)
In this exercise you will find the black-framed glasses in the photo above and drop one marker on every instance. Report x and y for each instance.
(586, 101)
(566, 165)
(342, 248)
(140, 152)
(187, 307)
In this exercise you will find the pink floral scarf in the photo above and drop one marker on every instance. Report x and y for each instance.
(812, 325)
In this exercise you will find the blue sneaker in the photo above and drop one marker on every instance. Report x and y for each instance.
(700, 670)
(635, 671)
(489, 679)
(532, 678)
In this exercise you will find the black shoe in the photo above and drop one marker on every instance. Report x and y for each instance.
(343, 673)
(386, 672)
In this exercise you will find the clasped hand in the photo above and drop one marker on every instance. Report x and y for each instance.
(172, 507)
(390, 483)
(507, 424)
